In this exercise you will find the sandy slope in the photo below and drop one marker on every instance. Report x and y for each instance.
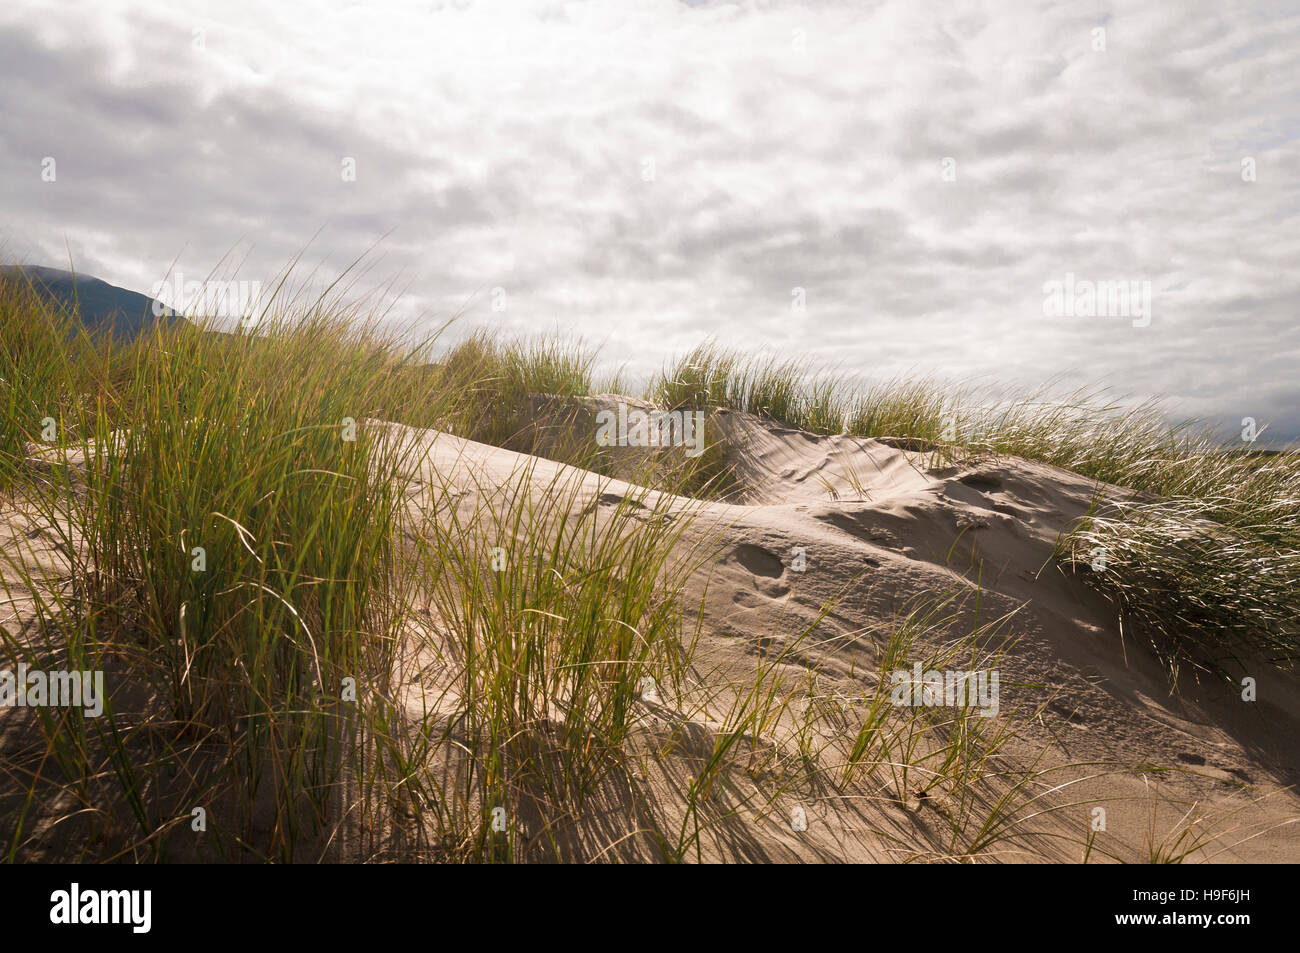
(1096, 719)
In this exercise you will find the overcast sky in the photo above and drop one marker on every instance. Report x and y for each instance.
(647, 174)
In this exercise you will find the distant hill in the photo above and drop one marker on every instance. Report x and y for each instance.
(101, 305)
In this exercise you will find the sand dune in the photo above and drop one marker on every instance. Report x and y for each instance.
(884, 532)
(807, 580)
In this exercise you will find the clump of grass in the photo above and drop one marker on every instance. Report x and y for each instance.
(792, 391)
(1212, 579)
(46, 363)
(915, 409)
(708, 376)
(556, 605)
(497, 391)
(232, 551)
